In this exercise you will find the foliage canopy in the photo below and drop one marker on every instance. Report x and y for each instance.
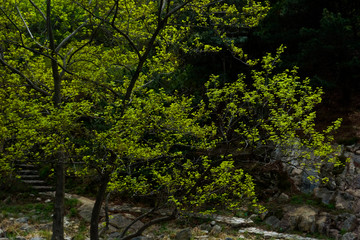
(85, 92)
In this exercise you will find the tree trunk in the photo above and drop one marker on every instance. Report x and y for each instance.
(58, 219)
(95, 215)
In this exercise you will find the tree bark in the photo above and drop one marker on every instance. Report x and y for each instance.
(95, 215)
(58, 219)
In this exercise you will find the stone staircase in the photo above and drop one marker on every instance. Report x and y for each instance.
(29, 174)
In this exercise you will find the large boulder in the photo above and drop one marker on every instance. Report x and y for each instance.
(302, 218)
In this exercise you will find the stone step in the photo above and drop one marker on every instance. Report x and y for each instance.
(30, 177)
(42, 188)
(34, 182)
(28, 172)
(26, 166)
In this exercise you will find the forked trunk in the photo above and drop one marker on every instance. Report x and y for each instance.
(95, 216)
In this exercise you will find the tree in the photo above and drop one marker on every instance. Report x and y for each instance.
(47, 90)
(86, 93)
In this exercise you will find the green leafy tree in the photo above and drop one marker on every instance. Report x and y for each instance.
(84, 92)
(73, 94)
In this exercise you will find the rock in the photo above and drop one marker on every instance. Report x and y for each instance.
(22, 220)
(308, 186)
(322, 222)
(273, 222)
(253, 217)
(349, 224)
(114, 235)
(4, 238)
(283, 198)
(216, 230)
(263, 215)
(85, 212)
(349, 236)
(326, 196)
(120, 222)
(302, 218)
(343, 201)
(212, 223)
(283, 225)
(273, 235)
(334, 233)
(205, 227)
(20, 238)
(27, 228)
(234, 221)
(37, 238)
(2, 233)
(184, 234)
(356, 206)
(47, 200)
(356, 182)
(140, 238)
(45, 227)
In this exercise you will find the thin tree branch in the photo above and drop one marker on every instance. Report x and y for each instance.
(135, 220)
(68, 37)
(41, 53)
(27, 28)
(18, 72)
(37, 8)
(175, 9)
(12, 22)
(148, 224)
(132, 44)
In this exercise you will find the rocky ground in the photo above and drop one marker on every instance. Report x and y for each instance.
(32, 225)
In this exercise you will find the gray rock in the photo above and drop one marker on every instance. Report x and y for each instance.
(301, 218)
(273, 235)
(114, 235)
(283, 198)
(273, 222)
(325, 195)
(184, 234)
(216, 229)
(253, 217)
(308, 186)
(349, 236)
(2, 233)
(344, 201)
(212, 223)
(37, 238)
(349, 224)
(322, 222)
(140, 238)
(206, 227)
(121, 222)
(27, 228)
(85, 212)
(22, 220)
(356, 181)
(234, 221)
(334, 233)
(20, 238)
(4, 238)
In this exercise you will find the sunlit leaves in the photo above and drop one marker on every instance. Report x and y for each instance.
(276, 111)
(144, 142)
